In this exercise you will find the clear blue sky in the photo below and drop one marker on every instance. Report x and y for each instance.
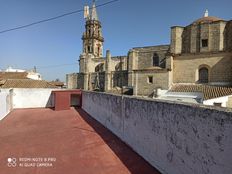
(126, 24)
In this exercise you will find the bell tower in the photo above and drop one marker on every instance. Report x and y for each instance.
(92, 37)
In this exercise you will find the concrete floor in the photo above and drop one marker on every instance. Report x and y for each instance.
(78, 143)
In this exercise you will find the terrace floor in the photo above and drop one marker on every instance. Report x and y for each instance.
(44, 141)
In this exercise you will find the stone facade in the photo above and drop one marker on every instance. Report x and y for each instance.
(148, 81)
(75, 80)
(198, 53)
(186, 68)
(206, 43)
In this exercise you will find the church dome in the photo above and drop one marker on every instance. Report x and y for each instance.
(207, 19)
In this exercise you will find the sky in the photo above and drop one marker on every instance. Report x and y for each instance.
(54, 47)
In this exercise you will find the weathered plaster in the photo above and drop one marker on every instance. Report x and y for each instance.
(175, 138)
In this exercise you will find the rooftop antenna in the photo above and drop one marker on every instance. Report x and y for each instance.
(206, 13)
(34, 70)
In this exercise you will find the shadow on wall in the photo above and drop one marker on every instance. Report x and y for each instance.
(51, 101)
(221, 71)
(134, 163)
(228, 36)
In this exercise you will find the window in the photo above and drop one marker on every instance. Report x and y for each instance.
(204, 42)
(156, 60)
(150, 79)
(217, 104)
(98, 50)
(203, 75)
(89, 49)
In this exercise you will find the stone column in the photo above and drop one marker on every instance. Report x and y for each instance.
(169, 66)
(86, 81)
(132, 65)
(85, 69)
(176, 39)
(108, 71)
(82, 63)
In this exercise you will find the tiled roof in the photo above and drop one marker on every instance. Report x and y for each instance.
(209, 92)
(57, 83)
(25, 83)
(13, 75)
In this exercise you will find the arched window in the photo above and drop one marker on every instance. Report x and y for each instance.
(119, 66)
(99, 50)
(203, 75)
(99, 67)
(156, 61)
(89, 49)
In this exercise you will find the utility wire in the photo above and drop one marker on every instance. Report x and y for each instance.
(54, 66)
(48, 66)
(53, 18)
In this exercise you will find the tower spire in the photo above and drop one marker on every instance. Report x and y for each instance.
(92, 37)
(94, 15)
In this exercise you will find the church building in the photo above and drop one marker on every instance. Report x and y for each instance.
(197, 61)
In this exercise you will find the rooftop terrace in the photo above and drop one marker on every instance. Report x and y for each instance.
(77, 142)
(173, 137)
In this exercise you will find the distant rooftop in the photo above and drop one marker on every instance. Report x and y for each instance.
(208, 91)
(25, 83)
(13, 75)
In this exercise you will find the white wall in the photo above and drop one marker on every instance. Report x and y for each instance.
(4, 103)
(222, 100)
(32, 98)
(34, 76)
(175, 138)
(24, 98)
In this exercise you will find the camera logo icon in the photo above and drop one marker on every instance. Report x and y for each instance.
(11, 162)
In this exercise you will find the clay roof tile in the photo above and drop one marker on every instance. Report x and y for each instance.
(26, 83)
(208, 91)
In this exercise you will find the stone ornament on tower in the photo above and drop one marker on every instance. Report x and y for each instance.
(206, 13)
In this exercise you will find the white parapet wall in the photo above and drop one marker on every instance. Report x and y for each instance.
(3, 107)
(5, 102)
(32, 98)
(24, 98)
(175, 138)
